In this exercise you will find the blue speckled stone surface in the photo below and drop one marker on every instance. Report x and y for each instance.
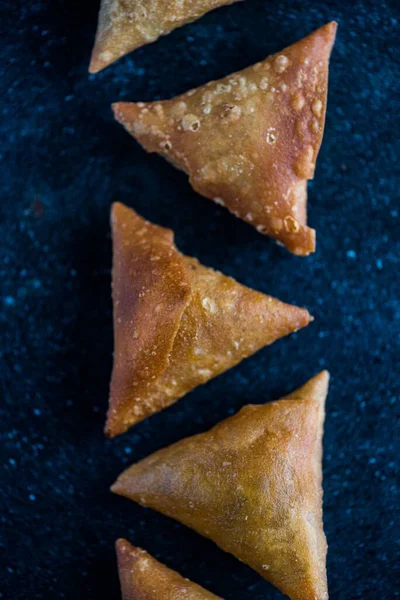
(64, 161)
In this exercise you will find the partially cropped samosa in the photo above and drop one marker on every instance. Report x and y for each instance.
(253, 485)
(142, 577)
(125, 25)
(250, 141)
(177, 324)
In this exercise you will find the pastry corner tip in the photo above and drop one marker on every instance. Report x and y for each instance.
(325, 375)
(329, 31)
(116, 487)
(93, 69)
(121, 545)
(116, 207)
(322, 39)
(320, 386)
(115, 107)
(297, 317)
(304, 245)
(332, 26)
(95, 65)
(109, 431)
(305, 316)
(325, 378)
(119, 110)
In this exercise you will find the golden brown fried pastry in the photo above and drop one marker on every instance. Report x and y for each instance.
(177, 324)
(253, 485)
(125, 25)
(142, 577)
(249, 141)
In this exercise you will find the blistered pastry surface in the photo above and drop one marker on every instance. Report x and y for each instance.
(249, 141)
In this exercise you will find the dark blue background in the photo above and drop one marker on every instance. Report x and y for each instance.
(64, 160)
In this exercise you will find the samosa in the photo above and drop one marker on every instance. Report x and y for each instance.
(253, 485)
(125, 25)
(142, 577)
(177, 324)
(249, 141)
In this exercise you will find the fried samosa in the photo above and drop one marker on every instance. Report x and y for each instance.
(125, 25)
(249, 141)
(253, 485)
(142, 577)
(177, 324)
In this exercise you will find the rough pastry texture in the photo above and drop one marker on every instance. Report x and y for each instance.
(177, 324)
(142, 577)
(249, 141)
(252, 484)
(125, 25)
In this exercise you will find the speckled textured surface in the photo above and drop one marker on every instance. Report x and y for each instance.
(64, 161)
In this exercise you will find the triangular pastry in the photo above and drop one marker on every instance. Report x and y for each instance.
(142, 577)
(249, 141)
(177, 324)
(125, 25)
(253, 485)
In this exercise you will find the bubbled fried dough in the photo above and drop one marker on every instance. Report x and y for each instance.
(142, 577)
(249, 141)
(177, 324)
(125, 25)
(253, 485)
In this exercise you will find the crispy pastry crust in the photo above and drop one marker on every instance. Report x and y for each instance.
(252, 484)
(177, 324)
(125, 25)
(142, 577)
(249, 141)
